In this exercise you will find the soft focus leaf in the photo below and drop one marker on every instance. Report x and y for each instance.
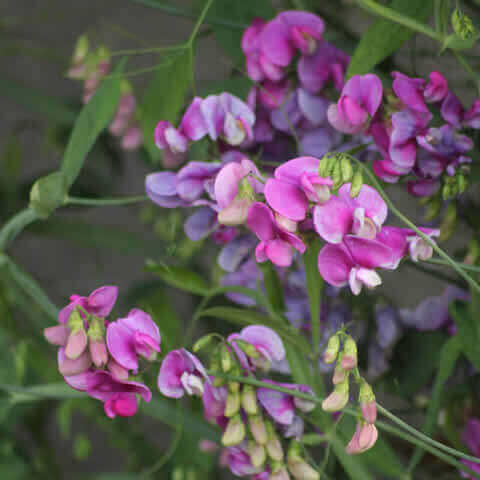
(242, 316)
(273, 287)
(58, 391)
(384, 37)
(314, 285)
(180, 277)
(93, 118)
(449, 354)
(165, 97)
(468, 331)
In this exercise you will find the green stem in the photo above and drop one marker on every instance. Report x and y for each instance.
(433, 273)
(142, 51)
(105, 202)
(450, 261)
(15, 225)
(464, 266)
(397, 17)
(199, 22)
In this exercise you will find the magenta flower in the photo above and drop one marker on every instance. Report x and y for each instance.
(227, 117)
(214, 401)
(290, 31)
(341, 215)
(274, 94)
(295, 184)
(276, 243)
(328, 63)
(267, 345)
(238, 461)
(181, 372)
(360, 99)
(135, 335)
(354, 262)
(282, 406)
(455, 114)
(99, 303)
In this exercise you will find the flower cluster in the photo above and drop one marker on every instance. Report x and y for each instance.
(92, 68)
(101, 357)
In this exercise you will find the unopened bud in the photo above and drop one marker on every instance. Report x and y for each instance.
(249, 400)
(98, 352)
(366, 398)
(337, 399)
(339, 375)
(232, 405)
(225, 358)
(57, 335)
(332, 349)
(433, 208)
(76, 343)
(346, 168)
(357, 183)
(324, 166)
(349, 358)
(273, 446)
(462, 182)
(449, 223)
(247, 348)
(203, 342)
(68, 366)
(234, 433)
(336, 174)
(257, 453)
(279, 472)
(258, 429)
(473, 253)
(117, 370)
(297, 466)
(363, 439)
(81, 49)
(462, 25)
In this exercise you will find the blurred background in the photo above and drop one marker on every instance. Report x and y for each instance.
(81, 248)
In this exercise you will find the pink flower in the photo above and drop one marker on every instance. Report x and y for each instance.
(135, 335)
(360, 99)
(354, 262)
(295, 184)
(363, 439)
(181, 372)
(276, 243)
(341, 215)
(226, 116)
(214, 401)
(238, 461)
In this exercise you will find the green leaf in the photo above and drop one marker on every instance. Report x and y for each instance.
(468, 330)
(93, 118)
(56, 391)
(243, 316)
(165, 97)
(180, 277)
(449, 354)
(273, 287)
(454, 42)
(385, 37)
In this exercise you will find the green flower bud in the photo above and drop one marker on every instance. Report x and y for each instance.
(96, 329)
(297, 465)
(203, 342)
(331, 352)
(247, 348)
(48, 193)
(234, 433)
(258, 429)
(225, 358)
(257, 453)
(462, 25)
(232, 405)
(337, 175)
(357, 183)
(433, 208)
(346, 168)
(338, 398)
(473, 253)
(462, 182)
(249, 400)
(273, 446)
(81, 49)
(449, 223)
(339, 375)
(349, 358)
(324, 166)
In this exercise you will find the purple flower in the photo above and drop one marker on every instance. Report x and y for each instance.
(360, 99)
(238, 461)
(295, 184)
(454, 113)
(214, 401)
(226, 116)
(328, 63)
(276, 243)
(249, 276)
(471, 437)
(135, 335)
(181, 372)
(341, 215)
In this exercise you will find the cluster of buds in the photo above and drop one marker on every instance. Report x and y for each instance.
(339, 168)
(366, 433)
(92, 67)
(101, 357)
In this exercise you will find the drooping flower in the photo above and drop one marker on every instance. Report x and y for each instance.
(132, 336)
(180, 373)
(360, 99)
(363, 439)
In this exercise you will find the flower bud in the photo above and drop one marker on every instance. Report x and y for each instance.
(346, 168)
(117, 370)
(279, 472)
(357, 183)
(57, 335)
(249, 400)
(98, 352)
(247, 348)
(337, 399)
(462, 25)
(433, 208)
(367, 436)
(339, 375)
(462, 182)
(349, 358)
(76, 343)
(366, 398)
(81, 49)
(234, 433)
(473, 252)
(203, 342)
(332, 349)
(257, 453)
(258, 429)
(225, 358)
(232, 405)
(324, 166)
(297, 466)
(68, 366)
(273, 446)
(449, 223)
(336, 174)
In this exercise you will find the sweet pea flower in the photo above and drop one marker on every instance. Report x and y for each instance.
(360, 99)
(238, 460)
(290, 31)
(295, 184)
(354, 261)
(119, 397)
(327, 63)
(181, 372)
(445, 141)
(363, 439)
(214, 401)
(248, 275)
(227, 117)
(454, 113)
(282, 406)
(267, 346)
(471, 437)
(276, 243)
(184, 188)
(135, 335)
(362, 216)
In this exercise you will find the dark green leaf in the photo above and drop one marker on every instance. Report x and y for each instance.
(165, 97)
(449, 354)
(93, 118)
(243, 316)
(236, 85)
(180, 277)
(468, 330)
(273, 287)
(384, 37)
(60, 391)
